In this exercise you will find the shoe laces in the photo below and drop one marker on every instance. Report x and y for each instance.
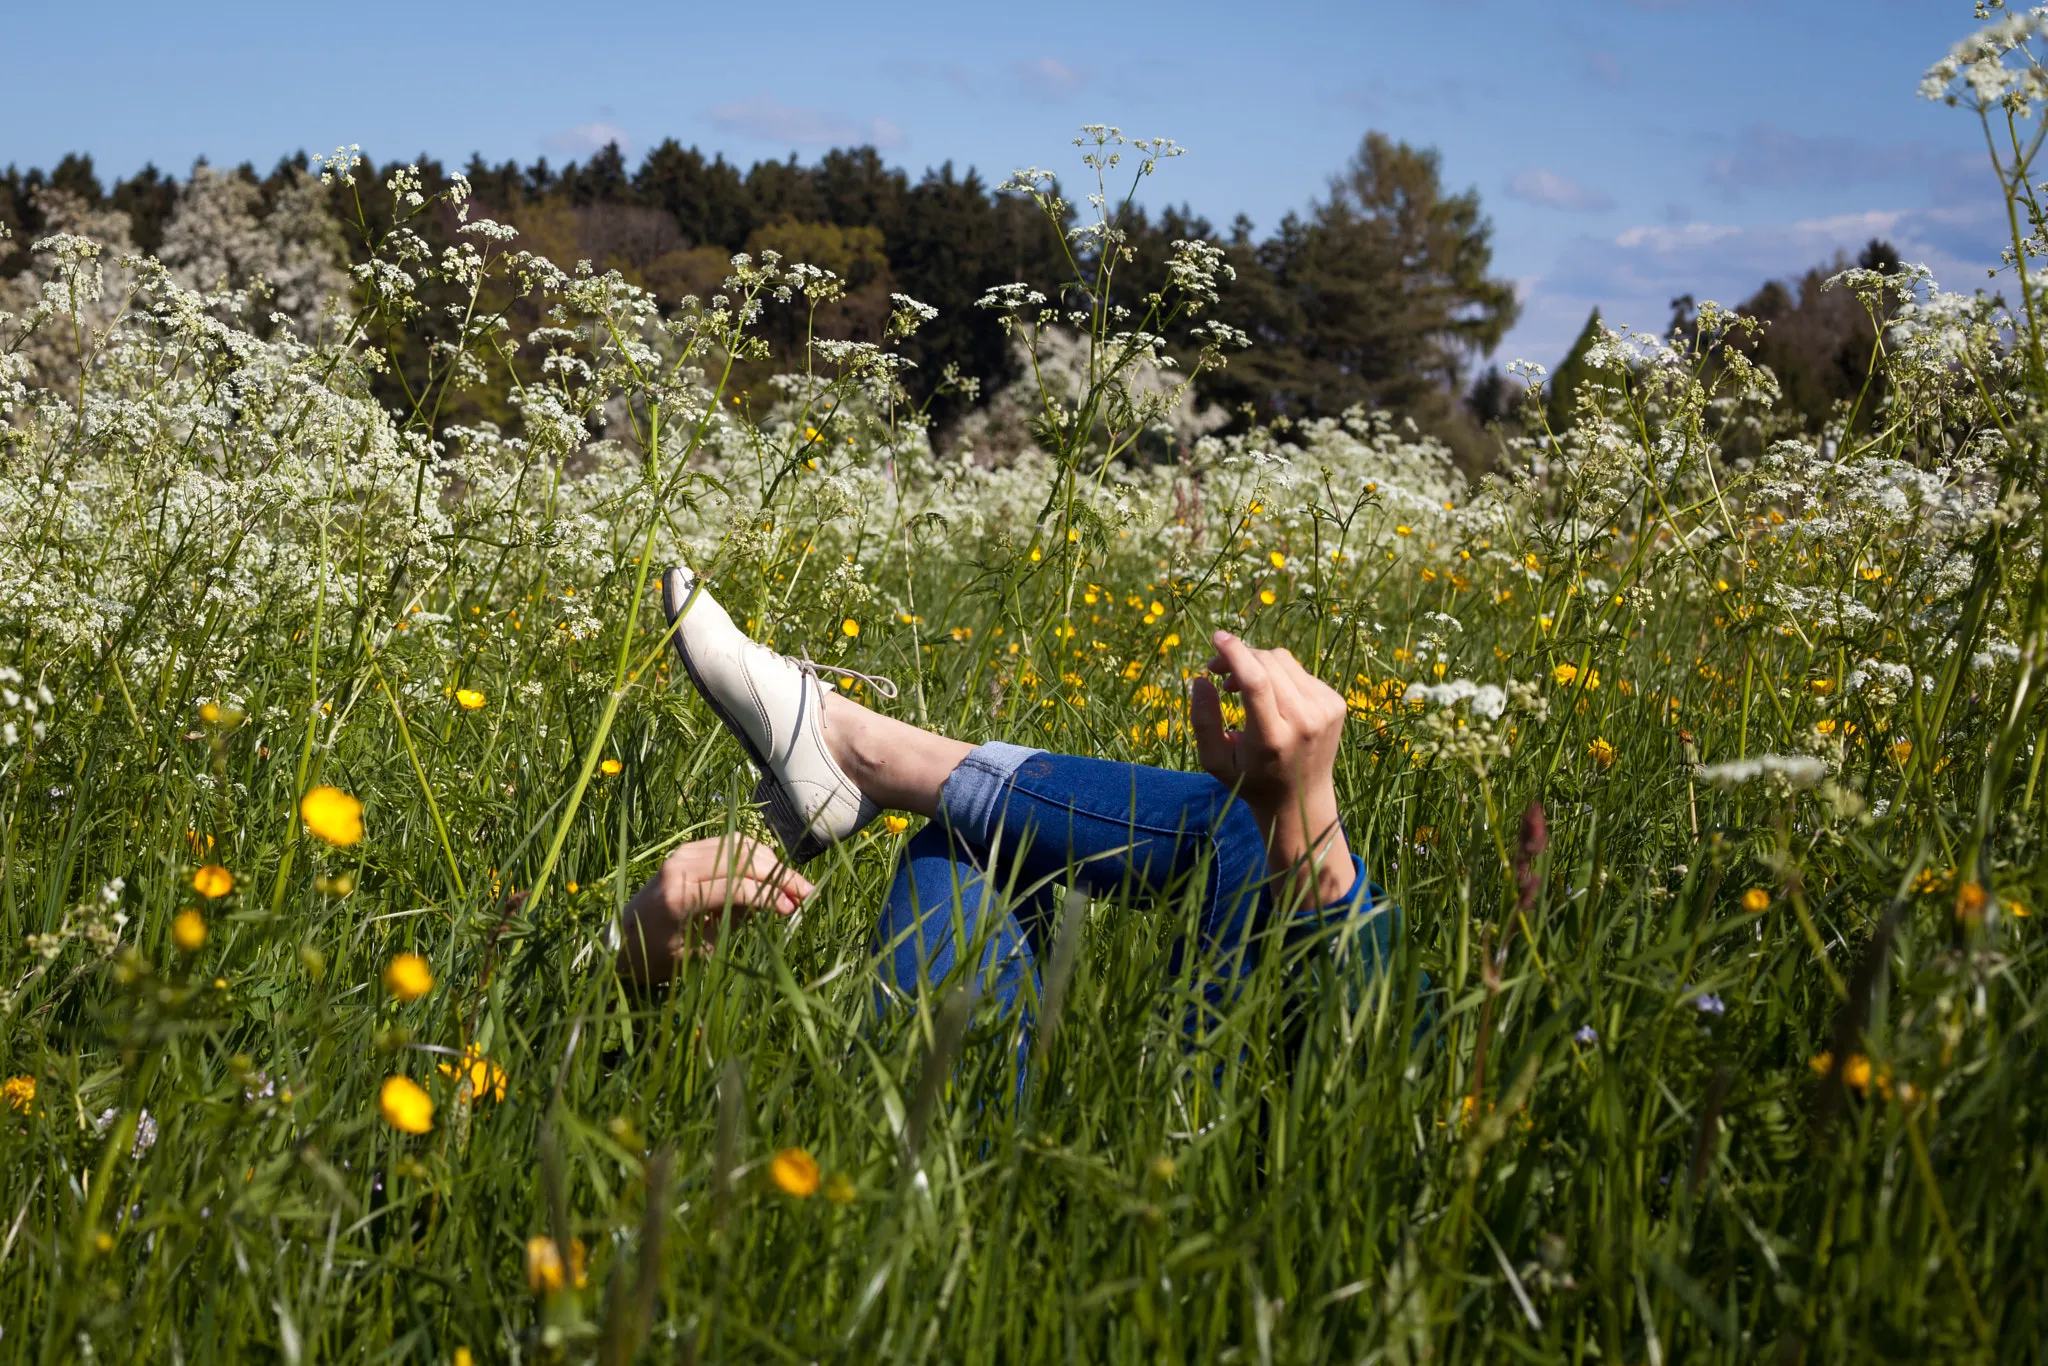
(884, 687)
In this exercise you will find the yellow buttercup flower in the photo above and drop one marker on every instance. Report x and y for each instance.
(477, 1075)
(406, 1106)
(188, 931)
(332, 815)
(795, 1172)
(1564, 675)
(895, 825)
(1277, 560)
(408, 977)
(1756, 899)
(1970, 900)
(544, 1270)
(469, 699)
(849, 627)
(20, 1093)
(1266, 596)
(213, 882)
(610, 768)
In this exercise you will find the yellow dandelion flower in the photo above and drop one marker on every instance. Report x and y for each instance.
(476, 1076)
(188, 931)
(213, 882)
(332, 815)
(795, 1172)
(469, 699)
(406, 1106)
(408, 977)
(20, 1093)
(849, 627)
(610, 768)
(895, 825)
(1756, 899)
(1601, 753)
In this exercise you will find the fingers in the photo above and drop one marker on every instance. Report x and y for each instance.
(701, 876)
(747, 893)
(1286, 678)
(1250, 679)
(1213, 746)
(763, 864)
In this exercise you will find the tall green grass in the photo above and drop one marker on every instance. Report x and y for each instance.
(1670, 1062)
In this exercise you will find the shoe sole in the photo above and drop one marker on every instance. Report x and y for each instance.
(782, 817)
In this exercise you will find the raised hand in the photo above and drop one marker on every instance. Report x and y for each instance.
(1282, 762)
(679, 907)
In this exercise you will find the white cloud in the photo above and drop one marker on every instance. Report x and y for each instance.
(1770, 158)
(1633, 275)
(1553, 191)
(768, 120)
(1049, 77)
(586, 138)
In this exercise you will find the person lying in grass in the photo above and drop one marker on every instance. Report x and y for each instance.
(1260, 827)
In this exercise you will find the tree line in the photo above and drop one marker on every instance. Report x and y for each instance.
(1381, 293)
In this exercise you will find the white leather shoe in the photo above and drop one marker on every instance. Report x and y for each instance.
(774, 706)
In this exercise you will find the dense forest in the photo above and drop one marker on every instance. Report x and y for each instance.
(1380, 294)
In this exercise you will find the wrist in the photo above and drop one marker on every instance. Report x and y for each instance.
(1305, 840)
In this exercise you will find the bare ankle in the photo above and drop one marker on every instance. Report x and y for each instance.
(895, 765)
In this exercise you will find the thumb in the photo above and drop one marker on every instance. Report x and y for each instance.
(1213, 746)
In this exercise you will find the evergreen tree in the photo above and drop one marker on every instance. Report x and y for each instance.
(1380, 296)
(1571, 373)
(149, 198)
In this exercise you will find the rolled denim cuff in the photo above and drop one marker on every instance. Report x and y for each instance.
(972, 794)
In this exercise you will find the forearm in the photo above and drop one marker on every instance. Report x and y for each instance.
(1305, 842)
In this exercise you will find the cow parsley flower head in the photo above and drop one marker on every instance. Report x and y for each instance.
(1795, 771)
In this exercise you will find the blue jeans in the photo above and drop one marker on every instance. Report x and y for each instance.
(1013, 821)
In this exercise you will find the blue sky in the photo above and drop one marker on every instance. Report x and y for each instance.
(1626, 150)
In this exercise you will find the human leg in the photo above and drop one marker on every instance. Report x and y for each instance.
(941, 905)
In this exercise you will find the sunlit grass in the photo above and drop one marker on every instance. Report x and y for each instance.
(1709, 796)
